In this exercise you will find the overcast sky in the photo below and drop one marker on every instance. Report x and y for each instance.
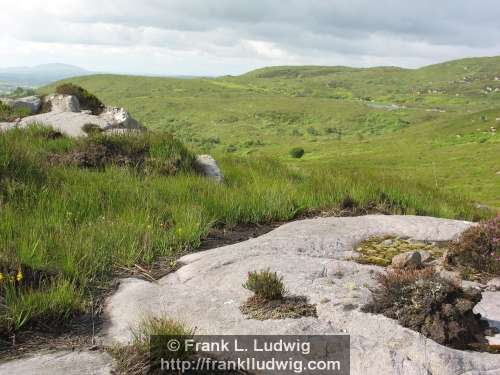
(216, 37)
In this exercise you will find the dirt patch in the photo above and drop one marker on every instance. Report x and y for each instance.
(293, 307)
(381, 250)
(223, 236)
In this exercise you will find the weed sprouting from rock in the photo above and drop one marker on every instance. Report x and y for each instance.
(266, 284)
(271, 301)
(150, 343)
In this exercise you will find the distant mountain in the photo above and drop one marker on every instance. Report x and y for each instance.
(39, 75)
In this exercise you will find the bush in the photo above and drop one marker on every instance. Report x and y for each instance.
(297, 152)
(87, 100)
(425, 302)
(265, 284)
(478, 249)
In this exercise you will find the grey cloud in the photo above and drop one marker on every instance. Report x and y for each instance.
(304, 30)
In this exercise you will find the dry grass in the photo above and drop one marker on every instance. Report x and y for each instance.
(477, 252)
(293, 307)
(423, 301)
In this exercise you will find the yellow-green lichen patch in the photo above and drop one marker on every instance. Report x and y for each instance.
(381, 250)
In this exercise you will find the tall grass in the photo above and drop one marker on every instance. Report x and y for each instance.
(80, 224)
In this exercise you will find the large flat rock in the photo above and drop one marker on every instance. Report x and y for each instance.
(313, 256)
(69, 123)
(60, 363)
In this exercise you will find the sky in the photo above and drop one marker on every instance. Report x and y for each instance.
(218, 37)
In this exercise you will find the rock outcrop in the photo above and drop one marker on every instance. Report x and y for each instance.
(62, 103)
(31, 103)
(66, 116)
(315, 259)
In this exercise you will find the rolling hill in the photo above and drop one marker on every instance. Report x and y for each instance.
(436, 125)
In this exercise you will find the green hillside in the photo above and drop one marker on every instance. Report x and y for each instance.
(433, 125)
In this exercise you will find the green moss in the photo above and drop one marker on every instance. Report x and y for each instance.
(381, 250)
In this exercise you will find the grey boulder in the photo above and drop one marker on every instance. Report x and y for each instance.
(63, 103)
(31, 103)
(206, 165)
(119, 118)
(410, 259)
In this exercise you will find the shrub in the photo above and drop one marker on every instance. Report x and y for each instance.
(265, 284)
(425, 302)
(478, 249)
(297, 152)
(87, 100)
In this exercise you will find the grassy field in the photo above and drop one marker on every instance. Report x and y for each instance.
(65, 229)
(432, 124)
